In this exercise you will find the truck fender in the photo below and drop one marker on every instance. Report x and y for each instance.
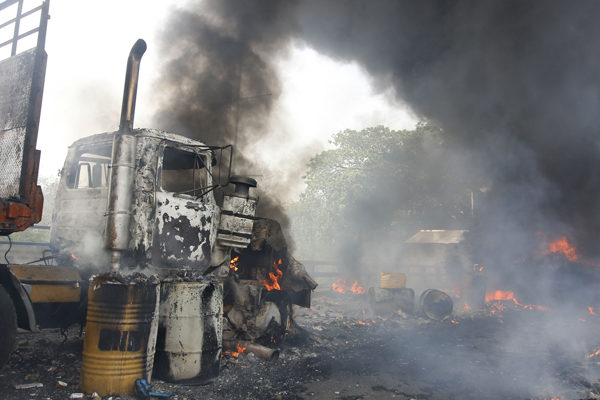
(20, 298)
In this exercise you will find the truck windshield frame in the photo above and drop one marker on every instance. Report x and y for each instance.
(184, 172)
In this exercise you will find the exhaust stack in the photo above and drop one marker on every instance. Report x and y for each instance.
(131, 82)
(122, 170)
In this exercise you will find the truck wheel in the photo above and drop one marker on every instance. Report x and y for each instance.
(8, 326)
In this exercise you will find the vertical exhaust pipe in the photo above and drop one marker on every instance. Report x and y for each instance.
(122, 173)
(131, 81)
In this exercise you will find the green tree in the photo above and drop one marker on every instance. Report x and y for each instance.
(374, 182)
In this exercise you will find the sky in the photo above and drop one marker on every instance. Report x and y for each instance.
(88, 43)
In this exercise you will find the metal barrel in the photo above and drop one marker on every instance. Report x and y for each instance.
(386, 301)
(435, 304)
(120, 336)
(189, 344)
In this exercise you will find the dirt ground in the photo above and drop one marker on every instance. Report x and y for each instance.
(340, 351)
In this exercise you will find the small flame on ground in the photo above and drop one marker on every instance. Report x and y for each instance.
(478, 268)
(235, 353)
(366, 323)
(233, 264)
(341, 286)
(271, 281)
(74, 257)
(594, 354)
(496, 297)
(591, 310)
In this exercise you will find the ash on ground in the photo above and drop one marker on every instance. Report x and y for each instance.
(341, 351)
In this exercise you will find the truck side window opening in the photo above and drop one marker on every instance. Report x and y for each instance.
(183, 172)
(90, 170)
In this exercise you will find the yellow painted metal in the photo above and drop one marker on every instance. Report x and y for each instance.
(50, 284)
(393, 280)
(120, 337)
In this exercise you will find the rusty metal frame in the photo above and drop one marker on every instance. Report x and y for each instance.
(44, 16)
(216, 178)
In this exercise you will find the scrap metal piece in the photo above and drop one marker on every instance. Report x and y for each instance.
(261, 351)
(237, 214)
(435, 304)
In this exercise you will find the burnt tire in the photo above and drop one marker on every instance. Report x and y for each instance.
(8, 326)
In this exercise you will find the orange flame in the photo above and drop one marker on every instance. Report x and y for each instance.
(235, 353)
(591, 310)
(357, 289)
(497, 296)
(271, 281)
(594, 354)
(233, 264)
(562, 246)
(74, 257)
(341, 286)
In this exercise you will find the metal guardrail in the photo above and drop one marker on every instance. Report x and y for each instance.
(16, 22)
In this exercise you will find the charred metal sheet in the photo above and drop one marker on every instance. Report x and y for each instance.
(267, 232)
(237, 220)
(144, 194)
(184, 232)
(21, 87)
(296, 277)
(78, 219)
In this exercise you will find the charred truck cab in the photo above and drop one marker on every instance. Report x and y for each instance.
(166, 216)
(143, 199)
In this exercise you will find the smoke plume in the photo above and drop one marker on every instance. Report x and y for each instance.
(514, 82)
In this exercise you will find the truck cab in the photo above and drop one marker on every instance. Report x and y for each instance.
(174, 216)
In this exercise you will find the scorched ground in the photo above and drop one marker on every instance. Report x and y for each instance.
(340, 351)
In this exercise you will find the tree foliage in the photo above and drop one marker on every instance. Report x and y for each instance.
(376, 181)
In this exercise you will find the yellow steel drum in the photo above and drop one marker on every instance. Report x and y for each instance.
(120, 336)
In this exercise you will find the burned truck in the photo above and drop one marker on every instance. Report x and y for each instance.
(143, 202)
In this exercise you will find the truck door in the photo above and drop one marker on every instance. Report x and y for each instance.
(186, 211)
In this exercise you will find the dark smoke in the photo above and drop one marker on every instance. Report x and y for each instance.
(515, 82)
(218, 83)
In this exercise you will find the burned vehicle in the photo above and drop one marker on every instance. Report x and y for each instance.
(168, 219)
(140, 243)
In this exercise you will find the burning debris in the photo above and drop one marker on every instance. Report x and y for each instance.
(264, 282)
(340, 286)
